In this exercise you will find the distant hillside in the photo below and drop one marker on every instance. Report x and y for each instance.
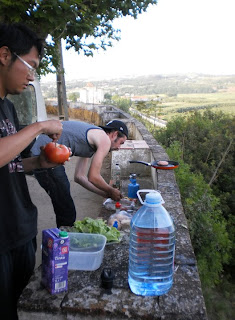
(153, 85)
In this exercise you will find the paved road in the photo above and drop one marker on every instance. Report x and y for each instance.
(86, 202)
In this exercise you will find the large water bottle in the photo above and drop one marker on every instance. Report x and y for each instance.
(152, 247)
(133, 187)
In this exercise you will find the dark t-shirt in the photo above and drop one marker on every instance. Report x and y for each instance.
(18, 215)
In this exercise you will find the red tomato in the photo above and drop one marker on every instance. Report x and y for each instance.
(57, 153)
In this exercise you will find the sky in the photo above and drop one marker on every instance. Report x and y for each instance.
(174, 36)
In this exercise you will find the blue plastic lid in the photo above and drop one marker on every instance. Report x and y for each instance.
(115, 225)
(153, 198)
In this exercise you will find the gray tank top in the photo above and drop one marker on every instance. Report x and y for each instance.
(74, 135)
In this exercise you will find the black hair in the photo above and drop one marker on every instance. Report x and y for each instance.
(120, 134)
(19, 39)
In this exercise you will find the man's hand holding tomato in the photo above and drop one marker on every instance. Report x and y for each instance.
(56, 152)
(53, 154)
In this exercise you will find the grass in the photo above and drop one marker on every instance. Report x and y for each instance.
(184, 104)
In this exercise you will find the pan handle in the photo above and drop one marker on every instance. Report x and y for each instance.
(146, 163)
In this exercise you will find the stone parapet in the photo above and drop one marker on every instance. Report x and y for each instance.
(87, 299)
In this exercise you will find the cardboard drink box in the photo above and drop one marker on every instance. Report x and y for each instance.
(55, 256)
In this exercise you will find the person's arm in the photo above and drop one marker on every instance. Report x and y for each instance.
(31, 163)
(39, 162)
(94, 175)
(80, 176)
(12, 145)
(94, 181)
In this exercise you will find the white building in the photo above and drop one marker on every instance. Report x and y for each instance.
(90, 94)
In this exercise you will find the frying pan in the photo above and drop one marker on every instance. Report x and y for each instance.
(171, 164)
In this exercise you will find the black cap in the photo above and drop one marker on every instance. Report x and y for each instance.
(117, 125)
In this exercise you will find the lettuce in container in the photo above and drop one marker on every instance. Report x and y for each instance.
(89, 225)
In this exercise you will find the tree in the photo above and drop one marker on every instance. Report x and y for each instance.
(206, 144)
(122, 103)
(73, 96)
(207, 226)
(86, 25)
(150, 108)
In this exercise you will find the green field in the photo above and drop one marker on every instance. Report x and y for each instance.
(184, 104)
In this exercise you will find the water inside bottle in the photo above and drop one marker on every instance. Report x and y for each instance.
(151, 260)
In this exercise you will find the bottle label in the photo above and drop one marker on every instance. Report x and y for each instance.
(152, 246)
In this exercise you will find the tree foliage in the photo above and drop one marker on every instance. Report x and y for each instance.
(208, 144)
(150, 108)
(203, 143)
(207, 226)
(122, 103)
(73, 96)
(86, 25)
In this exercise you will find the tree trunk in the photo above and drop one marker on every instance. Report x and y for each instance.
(61, 89)
(220, 163)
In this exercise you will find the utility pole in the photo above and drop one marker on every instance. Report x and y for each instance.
(61, 89)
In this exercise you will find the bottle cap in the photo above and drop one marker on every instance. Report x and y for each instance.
(153, 198)
(63, 234)
(115, 224)
(118, 205)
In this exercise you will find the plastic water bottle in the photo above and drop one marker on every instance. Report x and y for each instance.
(152, 247)
(133, 187)
(117, 176)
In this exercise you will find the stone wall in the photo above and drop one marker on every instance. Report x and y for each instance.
(186, 293)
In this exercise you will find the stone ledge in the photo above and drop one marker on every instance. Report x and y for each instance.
(86, 298)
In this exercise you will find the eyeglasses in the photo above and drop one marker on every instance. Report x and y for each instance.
(31, 70)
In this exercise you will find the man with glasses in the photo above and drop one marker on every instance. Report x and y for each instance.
(31, 70)
(20, 53)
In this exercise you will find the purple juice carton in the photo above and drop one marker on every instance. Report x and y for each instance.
(55, 257)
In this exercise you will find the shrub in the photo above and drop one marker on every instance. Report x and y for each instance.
(51, 110)
(207, 226)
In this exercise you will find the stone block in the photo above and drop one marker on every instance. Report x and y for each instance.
(135, 150)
